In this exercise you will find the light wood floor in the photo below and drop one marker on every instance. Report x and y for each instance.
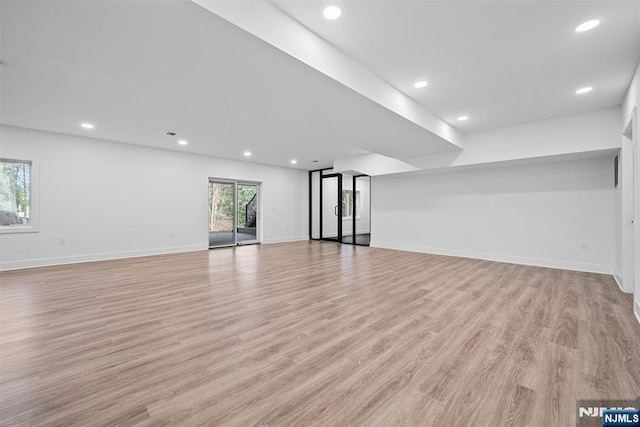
(311, 333)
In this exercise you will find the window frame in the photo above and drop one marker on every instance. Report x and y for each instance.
(34, 195)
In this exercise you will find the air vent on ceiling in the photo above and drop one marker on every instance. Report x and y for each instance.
(171, 133)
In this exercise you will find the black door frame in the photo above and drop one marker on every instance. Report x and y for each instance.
(338, 176)
(339, 204)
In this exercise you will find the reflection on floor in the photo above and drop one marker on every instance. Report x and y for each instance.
(361, 239)
(218, 238)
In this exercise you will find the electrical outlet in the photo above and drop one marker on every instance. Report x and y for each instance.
(172, 235)
(62, 242)
(584, 246)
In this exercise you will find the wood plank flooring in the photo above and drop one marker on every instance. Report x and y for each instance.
(310, 333)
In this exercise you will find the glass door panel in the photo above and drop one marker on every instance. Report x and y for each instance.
(348, 213)
(247, 214)
(362, 211)
(315, 178)
(222, 230)
(330, 223)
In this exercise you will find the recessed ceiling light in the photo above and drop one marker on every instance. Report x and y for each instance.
(182, 142)
(463, 118)
(247, 153)
(586, 26)
(420, 84)
(332, 12)
(584, 90)
(87, 125)
(293, 161)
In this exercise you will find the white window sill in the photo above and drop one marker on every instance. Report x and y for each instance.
(18, 229)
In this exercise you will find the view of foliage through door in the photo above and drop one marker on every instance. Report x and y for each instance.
(220, 206)
(245, 195)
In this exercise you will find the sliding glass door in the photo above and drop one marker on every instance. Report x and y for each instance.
(233, 213)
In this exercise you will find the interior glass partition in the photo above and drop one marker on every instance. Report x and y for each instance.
(315, 178)
(347, 205)
(362, 211)
(339, 207)
(331, 225)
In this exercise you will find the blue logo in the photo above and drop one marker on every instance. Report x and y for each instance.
(628, 417)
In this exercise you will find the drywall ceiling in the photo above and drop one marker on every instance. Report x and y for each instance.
(137, 69)
(499, 62)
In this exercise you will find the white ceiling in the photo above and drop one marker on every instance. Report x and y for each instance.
(140, 68)
(499, 62)
(137, 69)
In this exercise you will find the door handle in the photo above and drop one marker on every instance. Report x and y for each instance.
(336, 210)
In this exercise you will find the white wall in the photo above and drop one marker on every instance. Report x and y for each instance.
(579, 133)
(536, 214)
(112, 200)
(629, 201)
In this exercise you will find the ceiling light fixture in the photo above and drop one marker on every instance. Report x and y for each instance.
(182, 142)
(293, 161)
(586, 26)
(463, 118)
(87, 125)
(332, 12)
(584, 90)
(420, 84)
(247, 153)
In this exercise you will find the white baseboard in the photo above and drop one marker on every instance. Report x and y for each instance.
(285, 239)
(75, 259)
(536, 262)
(618, 278)
(636, 309)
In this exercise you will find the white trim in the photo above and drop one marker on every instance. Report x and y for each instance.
(636, 310)
(17, 229)
(618, 278)
(536, 262)
(76, 259)
(285, 239)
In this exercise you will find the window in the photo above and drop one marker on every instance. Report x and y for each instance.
(347, 203)
(16, 195)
